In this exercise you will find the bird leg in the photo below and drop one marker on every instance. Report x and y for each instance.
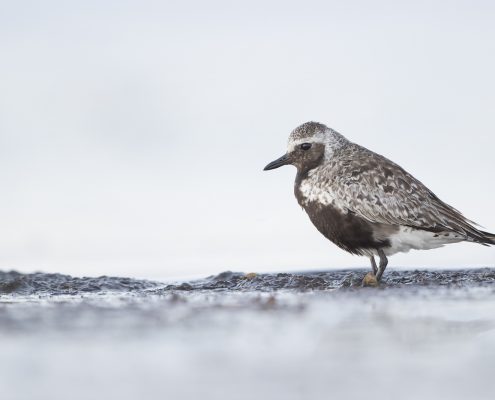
(382, 265)
(373, 265)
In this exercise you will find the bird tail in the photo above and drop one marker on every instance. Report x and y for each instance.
(487, 238)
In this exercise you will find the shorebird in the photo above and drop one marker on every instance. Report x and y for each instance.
(365, 203)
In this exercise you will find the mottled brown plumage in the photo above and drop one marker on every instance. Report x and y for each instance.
(347, 230)
(365, 203)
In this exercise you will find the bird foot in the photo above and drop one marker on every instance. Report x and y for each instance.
(370, 280)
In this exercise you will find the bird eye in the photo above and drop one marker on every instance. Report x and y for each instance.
(306, 146)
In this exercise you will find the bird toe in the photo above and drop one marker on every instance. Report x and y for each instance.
(370, 280)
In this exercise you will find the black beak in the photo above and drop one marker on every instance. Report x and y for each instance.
(284, 160)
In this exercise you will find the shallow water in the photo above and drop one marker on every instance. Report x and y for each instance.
(315, 335)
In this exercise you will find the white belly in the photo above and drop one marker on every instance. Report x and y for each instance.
(415, 239)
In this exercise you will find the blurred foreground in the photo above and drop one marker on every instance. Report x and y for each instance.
(319, 335)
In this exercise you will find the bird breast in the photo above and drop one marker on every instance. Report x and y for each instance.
(313, 187)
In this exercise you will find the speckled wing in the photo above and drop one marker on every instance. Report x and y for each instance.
(379, 190)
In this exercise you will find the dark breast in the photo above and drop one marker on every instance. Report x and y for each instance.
(347, 230)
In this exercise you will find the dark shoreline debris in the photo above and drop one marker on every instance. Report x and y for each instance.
(15, 283)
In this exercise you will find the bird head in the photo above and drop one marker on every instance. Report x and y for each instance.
(309, 145)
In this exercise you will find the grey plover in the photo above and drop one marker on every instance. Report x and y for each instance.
(365, 203)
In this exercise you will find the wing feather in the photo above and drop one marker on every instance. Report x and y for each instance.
(380, 191)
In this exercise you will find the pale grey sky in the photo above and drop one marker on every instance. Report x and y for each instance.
(133, 133)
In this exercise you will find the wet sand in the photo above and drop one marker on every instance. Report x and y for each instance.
(314, 335)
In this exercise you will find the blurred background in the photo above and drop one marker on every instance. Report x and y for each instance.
(133, 133)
